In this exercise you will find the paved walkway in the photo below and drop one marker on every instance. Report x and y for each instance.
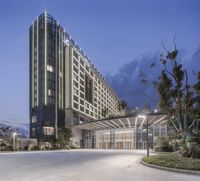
(82, 165)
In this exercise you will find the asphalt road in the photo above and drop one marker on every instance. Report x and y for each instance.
(82, 165)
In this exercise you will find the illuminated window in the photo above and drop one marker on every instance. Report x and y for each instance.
(48, 130)
(88, 89)
(50, 68)
(50, 92)
(33, 119)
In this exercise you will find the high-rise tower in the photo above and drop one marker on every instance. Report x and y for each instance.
(47, 63)
(65, 87)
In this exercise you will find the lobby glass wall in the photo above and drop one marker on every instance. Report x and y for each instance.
(129, 138)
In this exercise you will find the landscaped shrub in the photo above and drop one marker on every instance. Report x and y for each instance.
(7, 148)
(195, 153)
(25, 148)
(35, 148)
(163, 145)
(190, 147)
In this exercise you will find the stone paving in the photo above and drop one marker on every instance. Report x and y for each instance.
(82, 165)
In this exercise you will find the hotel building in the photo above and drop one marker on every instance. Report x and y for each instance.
(65, 87)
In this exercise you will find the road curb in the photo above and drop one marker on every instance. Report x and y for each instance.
(171, 169)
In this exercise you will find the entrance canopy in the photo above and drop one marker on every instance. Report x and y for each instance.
(124, 122)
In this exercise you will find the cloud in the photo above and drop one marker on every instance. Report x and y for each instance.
(127, 82)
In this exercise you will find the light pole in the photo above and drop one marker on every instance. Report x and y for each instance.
(14, 134)
(147, 135)
(0, 143)
(147, 142)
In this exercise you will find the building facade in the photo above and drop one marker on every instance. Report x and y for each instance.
(65, 87)
(125, 132)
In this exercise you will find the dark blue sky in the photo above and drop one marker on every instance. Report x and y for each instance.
(115, 34)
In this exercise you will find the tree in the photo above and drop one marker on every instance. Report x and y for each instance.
(64, 135)
(122, 105)
(196, 88)
(176, 96)
(179, 100)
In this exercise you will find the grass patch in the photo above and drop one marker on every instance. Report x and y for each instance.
(173, 160)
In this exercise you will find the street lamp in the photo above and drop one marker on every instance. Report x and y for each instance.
(14, 134)
(0, 143)
(147, 143)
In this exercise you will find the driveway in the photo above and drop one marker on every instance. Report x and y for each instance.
(82, 165)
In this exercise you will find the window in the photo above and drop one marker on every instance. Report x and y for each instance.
(82, 82)
(82, 69)
(50, 68)
(75, 84)
(81, 88)
(81, 102)
(75, 98)
(50, 92)
(75, 76)
(75, 69)
(75, 62)
(82, 108)
(87, 111)
(82, 95)
(91, 108)
(48, 130)
(82, 76)
(75, 91)
(82, 62)
(87, 68)
(75, 105)
(33, 131)
(34, 119)
(87, 105)
(81, 120)
(75, 55)
(88, 89)
(91, 73)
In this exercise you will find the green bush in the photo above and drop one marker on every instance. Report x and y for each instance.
(7, 148)
(25, 148)
(190, 147)
(163, 145)
(35, 148)
(195, 153)
(173, 160)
